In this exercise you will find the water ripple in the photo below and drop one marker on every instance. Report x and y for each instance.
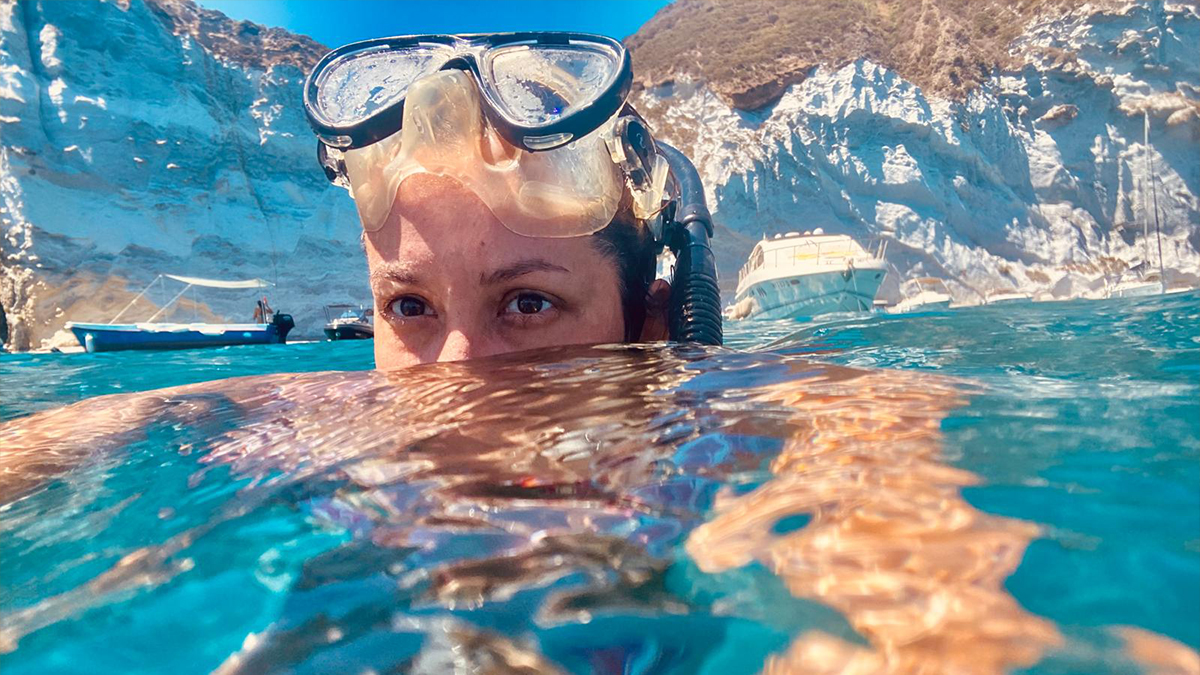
(613, 509)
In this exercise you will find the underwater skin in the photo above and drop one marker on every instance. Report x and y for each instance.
(586, 509)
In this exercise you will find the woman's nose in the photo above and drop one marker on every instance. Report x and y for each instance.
(456, 347)
(462, 343)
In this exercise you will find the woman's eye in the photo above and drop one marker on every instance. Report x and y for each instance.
(528, 303)
(409, 306)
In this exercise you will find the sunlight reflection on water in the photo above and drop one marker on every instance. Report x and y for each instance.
(641, 509)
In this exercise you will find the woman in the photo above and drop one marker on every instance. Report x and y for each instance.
(510, 198)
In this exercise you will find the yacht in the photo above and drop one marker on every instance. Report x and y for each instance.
(807, 274)
(1135, 288)
(923, 294)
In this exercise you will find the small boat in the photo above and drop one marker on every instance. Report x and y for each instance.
(807, 274)
(271, 328)
(1009, 298)
(354, 323)
(923, 294)
(1135, 289)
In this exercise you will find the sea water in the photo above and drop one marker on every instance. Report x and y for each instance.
(978, 490)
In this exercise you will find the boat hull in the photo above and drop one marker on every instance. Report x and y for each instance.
(1139, 289)
(850, 289)
(99, 337)
(1009, 299)
(349, 331)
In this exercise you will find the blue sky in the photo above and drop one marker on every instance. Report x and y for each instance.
(337, 22)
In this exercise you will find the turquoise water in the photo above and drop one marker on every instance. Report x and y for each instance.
(619, 510)
(34, 382)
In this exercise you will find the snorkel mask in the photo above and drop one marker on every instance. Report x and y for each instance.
(535, 124)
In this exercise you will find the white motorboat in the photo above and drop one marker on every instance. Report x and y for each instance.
(924, 294)
(354, 322)
(807, 274)
(1008, 298)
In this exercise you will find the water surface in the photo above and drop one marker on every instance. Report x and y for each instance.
(979, 490)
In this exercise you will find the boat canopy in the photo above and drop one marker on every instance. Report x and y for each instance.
(217, 283)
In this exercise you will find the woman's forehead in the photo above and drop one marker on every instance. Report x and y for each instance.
(432, 215)
(440, 226)
(425, 197)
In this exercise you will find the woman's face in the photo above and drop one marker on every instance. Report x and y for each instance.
(450, 282)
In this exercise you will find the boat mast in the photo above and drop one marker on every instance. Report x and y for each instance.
(1162, 276)
(1145, 177)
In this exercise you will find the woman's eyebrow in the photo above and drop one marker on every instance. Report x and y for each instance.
(393, 271)
(520, 268)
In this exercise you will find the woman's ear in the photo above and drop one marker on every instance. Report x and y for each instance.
(658, 300)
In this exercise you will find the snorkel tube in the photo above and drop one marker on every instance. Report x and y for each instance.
(695, 308)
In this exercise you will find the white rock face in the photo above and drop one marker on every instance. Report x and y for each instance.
(127, 150)
(1032, 184)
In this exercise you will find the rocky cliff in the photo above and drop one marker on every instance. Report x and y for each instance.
(749, 51)
(1023, 169)
(996, 144)
(147, 137)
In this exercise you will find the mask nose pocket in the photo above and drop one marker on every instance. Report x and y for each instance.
(496, 152)
(565, 192)
(441, 119)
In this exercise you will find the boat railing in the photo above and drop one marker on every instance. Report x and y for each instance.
(878, 247)
(921, 284)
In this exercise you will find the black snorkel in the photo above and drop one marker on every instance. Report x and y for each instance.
(695, 308)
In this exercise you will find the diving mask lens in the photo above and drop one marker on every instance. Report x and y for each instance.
(536, 86)
(540, 90)
(357, 85)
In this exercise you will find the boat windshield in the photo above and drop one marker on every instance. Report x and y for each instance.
(923, 284)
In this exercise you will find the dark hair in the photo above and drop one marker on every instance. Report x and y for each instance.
(628, 243)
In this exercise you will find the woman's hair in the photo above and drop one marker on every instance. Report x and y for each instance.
(628, 243)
